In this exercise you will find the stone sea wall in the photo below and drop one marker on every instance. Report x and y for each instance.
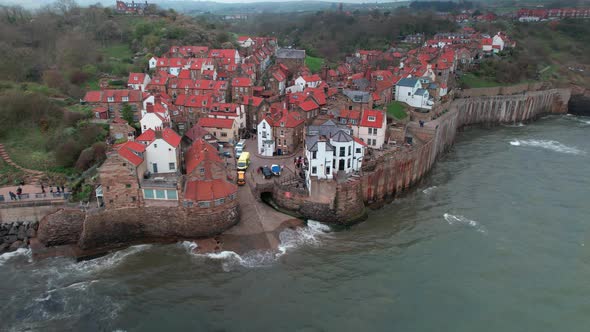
(393, 172)
(105, 229)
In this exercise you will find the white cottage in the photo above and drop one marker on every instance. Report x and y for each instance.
(162, 151)
(266, 142)
(411, 92)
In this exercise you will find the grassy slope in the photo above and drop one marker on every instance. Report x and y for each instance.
(396, 110)
(314, 64)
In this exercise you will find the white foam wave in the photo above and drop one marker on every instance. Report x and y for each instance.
(290, 239)
(110, 260)
(516, 125)
(461, 220)
(429, 190)
(17, 253)
(548, 145)
(189, 246)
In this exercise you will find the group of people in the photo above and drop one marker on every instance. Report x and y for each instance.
(17, 196)
(58, 189)
(299, 162)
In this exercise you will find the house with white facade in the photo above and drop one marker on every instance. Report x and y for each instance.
(372, 128)
(162, 151)
(230, 111)
(138, 81)
(245, 41)
(331, 149)
(411, 92)
(153, 121)
(303, 82)
(497, 43)
(153, 63)
(266, 141)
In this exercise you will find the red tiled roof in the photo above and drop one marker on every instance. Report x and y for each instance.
(308, 105)
(350, 114)
(103, 96)
(171, 137)
(312, 78)
(359, 141)
(200, 150)
(128, 155)
(216, 123)
(256, 101)
(373, 124)
(136, 78)
(134, 146)
(241, 81)
(209, 190)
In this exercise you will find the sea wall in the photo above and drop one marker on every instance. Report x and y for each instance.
(105, 229)
(396, 171)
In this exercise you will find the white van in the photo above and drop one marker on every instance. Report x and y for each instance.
(240, 147)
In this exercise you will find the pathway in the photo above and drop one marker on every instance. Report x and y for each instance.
(34, 175)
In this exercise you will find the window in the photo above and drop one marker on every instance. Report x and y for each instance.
(171, 194)
(124, 164)
(110, 99)
(204, 204)
(409, 93)
(348, 163)
(160, 194)
(358, 150)
(172, 166)
(144, 127)
(223, 134)
(155, 146)
(314, 155)
(349, 150)
(128, 185)
(372, 118)
(342, 151)
(125, 99)
(219, 201)
(202, 170)
(264, 125)
(375, 131)
(282, 133)
(148, 194)
(314, 170)
(328, 170)
(350, 108)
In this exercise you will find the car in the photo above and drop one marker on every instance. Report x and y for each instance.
(266, 172)
(225, 154)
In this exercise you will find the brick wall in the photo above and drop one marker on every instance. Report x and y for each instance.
(120, 186)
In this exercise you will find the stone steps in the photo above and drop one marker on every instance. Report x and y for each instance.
(33, 174)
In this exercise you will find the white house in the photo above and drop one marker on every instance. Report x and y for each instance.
(153, 62)
(245, 41)
(497, 43)
(266, 142)
(411, 92)
(229, 111)
(330, 149)
(153, 121)
(372, 128)
(303, 82)
(162, 151)
(138, 81)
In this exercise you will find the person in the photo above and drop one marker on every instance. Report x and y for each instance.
(63, 189)
(57, 189)
(295, 161)
(12, 196)
(51, 189)
(42, 188)
(19, 192)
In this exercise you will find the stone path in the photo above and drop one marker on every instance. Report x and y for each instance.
(35, 176)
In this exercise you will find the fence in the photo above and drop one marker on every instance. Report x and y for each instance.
(36, 197)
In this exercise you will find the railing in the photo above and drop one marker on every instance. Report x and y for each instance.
(39, 196)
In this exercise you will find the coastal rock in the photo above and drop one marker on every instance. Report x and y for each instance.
(15, 245)
(22, 232)
(31, 232)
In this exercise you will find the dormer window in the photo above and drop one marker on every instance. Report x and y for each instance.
(282, 124)
(125, 99)
(372, 118)
(110, 99)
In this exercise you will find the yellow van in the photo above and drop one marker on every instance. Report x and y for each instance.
(241, 178)
(244, 161)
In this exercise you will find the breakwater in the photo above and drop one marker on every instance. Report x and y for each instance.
(393, 171)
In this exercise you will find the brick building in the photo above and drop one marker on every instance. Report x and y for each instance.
(291, 58)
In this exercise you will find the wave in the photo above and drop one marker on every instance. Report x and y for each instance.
(289, 239)
(548, 145)
(17, 253)
(429, 190)
(111, 260)
(516, 125)
(453, 220)
(189, 246)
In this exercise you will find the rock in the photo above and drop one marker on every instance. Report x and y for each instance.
(15, 245)
(13, 230)
(9, 239)
(4, 247)
(22, 232)
(31, 232)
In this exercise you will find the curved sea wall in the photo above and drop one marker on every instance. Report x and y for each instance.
(391, 172)
(105, 229)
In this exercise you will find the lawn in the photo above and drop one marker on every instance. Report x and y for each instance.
(473, 81)
(118, 51)
(314, 64)
(27, 147)
(29, 86)
(9, 174)
(396, 110)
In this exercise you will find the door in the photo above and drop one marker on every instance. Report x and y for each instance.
(156, 167)
(340, 165)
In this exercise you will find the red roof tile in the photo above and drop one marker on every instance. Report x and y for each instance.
(373, 113)
(128, 155)
(209, 190)
(216, 123)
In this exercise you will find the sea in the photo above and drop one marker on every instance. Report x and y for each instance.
(496, 238)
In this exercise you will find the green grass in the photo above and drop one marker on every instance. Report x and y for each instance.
(27, 148)
(396, 110)
(473, 81)
(117, 51)
(9, 174)
(29, 86)
(314, 64)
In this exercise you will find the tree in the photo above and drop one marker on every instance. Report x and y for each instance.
(127, 114)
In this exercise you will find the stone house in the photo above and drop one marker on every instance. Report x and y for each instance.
(286, 132)
(119, 176)
(255, 108)
(138, 81)
(114, 100)
(293, 59)
(241, 86)
(225, 130)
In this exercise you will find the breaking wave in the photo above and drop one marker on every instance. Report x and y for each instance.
(515, 125)
(290, 239)
(547, 144)
(461, 220)
(189, 246)
(17, 253)
(111, 260)
(429, 190)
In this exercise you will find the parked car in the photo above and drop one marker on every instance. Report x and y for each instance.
(266, 172)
